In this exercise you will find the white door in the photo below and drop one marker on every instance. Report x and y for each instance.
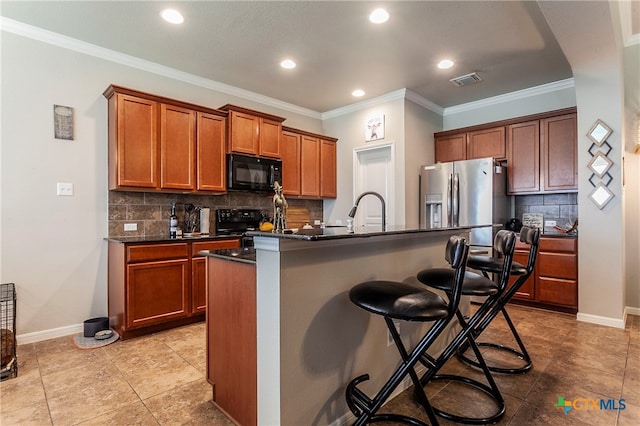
(374, 171)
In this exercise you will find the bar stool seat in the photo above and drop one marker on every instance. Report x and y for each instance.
(473, 284)
(398, 300)
(493, 265)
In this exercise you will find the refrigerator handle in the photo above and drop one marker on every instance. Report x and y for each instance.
(456, 200)
(449, 200)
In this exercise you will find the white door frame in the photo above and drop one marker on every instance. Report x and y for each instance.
(389, 196)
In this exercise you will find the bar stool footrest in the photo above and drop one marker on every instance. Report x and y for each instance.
(499, 401)
(515, 370)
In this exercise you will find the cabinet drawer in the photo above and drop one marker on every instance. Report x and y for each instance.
(557, 265)
(214, 245)
(558, 292)
(147, 253)
(558, 244)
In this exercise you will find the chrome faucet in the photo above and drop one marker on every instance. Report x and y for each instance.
(352, 213)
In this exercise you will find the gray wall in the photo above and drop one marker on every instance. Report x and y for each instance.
(52, 247)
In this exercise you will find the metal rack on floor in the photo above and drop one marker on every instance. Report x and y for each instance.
(8, 343)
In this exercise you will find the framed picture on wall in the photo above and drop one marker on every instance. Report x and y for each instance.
(63, 122)
(374, 128)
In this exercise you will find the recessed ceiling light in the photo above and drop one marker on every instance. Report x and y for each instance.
(172, 16)
(288, 64)
(379, 16)
(445, 64)
(358, 93)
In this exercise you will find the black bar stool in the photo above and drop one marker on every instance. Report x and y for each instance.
(473, 285)
(490, 265)
(397, 300)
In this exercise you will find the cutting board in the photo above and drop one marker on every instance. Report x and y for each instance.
(297, 217)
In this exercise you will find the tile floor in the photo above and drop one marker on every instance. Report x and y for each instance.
(160, 379)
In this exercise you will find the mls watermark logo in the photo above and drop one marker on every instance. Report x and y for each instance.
(585, 404)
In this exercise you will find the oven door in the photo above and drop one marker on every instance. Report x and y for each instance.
(252, 173)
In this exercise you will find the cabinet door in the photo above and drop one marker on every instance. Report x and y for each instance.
(290, 163)
(526, 290)
(523, 157)
(177, 147)
(328, 169)
(157, 292)
(211, 156)
(451, 148)
(486, 143)
(136, 142)
(559, 153)
(270, 131)
(199, 271)
(310, 166)
(231, 339)
(244, 133)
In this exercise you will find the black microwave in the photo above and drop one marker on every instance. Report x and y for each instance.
(253, 173)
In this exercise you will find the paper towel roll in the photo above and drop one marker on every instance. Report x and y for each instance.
(204, 220)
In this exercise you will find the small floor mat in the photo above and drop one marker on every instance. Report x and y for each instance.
(82, 342)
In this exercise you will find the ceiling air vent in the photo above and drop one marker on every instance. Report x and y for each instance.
(467, 79)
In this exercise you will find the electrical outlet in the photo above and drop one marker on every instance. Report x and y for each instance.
(64, 189)
(396, 323)
(130, 226)
(549, 223)
(316, 222)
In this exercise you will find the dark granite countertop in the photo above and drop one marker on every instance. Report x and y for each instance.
(165, 239)
(341, 232)
(244, 255)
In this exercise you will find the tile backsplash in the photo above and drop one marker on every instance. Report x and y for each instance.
(563, 208)
(150, 211)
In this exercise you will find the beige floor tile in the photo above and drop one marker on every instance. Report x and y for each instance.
(20, 392)
(151, 367)
(630, 416)
(28, 415)
(189, 404)
(136, 414)
(631, 390)
(80, 394)
(77, 358)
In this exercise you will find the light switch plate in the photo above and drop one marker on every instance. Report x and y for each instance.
(549, 223)
(130, 226)
(64, 189)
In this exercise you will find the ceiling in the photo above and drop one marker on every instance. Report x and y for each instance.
(240, 43)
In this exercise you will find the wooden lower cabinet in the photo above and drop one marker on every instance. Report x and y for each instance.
(232, 340)
(554, 283)
(155, 286)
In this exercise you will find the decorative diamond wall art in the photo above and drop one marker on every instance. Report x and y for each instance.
(600, 163)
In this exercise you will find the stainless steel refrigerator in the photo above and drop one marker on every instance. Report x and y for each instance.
(465, 193)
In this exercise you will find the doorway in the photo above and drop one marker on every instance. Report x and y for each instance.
(373, 170)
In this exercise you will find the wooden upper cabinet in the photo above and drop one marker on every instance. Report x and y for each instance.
(558, 136)
(243, 133)
(253, 132)
(486, 143)
(451, 148)
(328, 185)
(161, 144)
(270, 132)
(523, 157)
(177, 147)
(211, 141)
(133, 142)
(310, 166)
(290, 150)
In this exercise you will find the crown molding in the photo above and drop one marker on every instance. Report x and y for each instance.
(49, 37)
(391, 96)
(512, 96)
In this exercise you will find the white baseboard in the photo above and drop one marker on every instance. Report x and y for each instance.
(596, 319)
(629, 310)
(39, 336)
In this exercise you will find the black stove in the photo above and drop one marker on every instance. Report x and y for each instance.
(237, 221)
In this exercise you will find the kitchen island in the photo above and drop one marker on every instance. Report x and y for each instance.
(284, 339)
